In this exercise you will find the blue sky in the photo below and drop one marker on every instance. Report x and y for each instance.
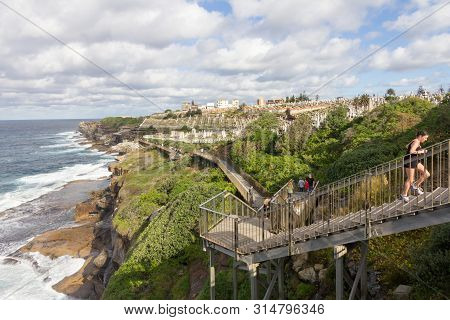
(202, 50)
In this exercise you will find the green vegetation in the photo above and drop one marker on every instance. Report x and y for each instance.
(168, 245)
(340, 148)
(256, 154)
(114, 123)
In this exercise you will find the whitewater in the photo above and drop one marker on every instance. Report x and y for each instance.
(47, 167)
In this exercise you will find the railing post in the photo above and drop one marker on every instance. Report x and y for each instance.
(236, 238)
(366, 203)
(290, 229)
(448, 170)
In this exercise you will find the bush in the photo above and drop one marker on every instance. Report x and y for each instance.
(431, 264)
(115, 123)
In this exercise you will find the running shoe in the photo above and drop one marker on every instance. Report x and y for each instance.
(404, 198)
(416, 189)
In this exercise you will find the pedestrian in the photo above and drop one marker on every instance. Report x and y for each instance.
(301, 185)
(412, 163)
(306, 185)
(310, 180)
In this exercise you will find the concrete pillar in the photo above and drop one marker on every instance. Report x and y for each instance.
(212, 276)
(339, 253)
(280, 271)
(234, 273)
(253, 271)
(363, 266)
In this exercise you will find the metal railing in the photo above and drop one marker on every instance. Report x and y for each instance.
(352, 202)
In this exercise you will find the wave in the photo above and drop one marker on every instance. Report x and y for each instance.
(32, 276)
(32, 187)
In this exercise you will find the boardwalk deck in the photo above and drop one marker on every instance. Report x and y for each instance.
(242, 185)
(254, 236)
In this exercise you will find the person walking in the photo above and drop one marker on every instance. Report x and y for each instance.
(310, 180)
(306, 185)
(412, 163)
(301, 185)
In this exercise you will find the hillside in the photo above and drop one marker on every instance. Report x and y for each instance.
(341, 147)
(157, 217)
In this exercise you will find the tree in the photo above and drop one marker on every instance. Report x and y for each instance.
(292, 99)
(317, 97)
(390, 95)
(289, 116)
(390, 92)
(192, 103)
(294, 140)
(420, 91)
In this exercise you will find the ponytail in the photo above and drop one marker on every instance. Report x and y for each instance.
(421, 133)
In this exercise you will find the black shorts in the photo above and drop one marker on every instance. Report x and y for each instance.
(411, 162)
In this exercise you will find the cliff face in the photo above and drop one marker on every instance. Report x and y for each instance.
(98, 134)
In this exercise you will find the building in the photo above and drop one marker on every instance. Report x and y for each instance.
(235, 103)
(186, 106)
(222, 103)
(260, 102)
(275, 101)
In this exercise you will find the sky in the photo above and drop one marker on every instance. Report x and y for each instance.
(202, 50)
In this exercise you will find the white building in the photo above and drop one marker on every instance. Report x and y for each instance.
(235, 103)
(222, 103)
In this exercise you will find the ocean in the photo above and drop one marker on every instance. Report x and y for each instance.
(46, 168)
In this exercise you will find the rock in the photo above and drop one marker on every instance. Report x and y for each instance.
(85, 211)
(103, 203)
(119, 251)
(308, 275)
(299, 261)
(402, 292)
(78, 285)
(101, 259)
(10, 261)
(75, 242)
(322, 274)
(318, 266)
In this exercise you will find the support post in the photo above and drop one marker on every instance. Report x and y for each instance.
(253, 270)
(280, 270)
(363, 266)
(339, 253)
(212, 276)
(235, 267)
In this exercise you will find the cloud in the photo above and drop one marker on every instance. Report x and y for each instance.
(420, 53)
(439, 21)
(177, 50)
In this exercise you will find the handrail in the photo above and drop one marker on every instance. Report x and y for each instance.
(354, 201)
(399, 165)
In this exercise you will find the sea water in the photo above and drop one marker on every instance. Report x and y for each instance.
(46, 167)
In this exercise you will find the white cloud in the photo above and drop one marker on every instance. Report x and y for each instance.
(176, 50)
(438, 21)
(422, 53)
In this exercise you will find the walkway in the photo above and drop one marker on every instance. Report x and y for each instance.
(251, 195)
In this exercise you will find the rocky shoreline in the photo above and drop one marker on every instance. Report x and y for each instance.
(93, 238)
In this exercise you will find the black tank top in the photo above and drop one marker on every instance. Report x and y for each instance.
(408, 150)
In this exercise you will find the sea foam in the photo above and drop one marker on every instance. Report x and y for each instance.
(32, 276)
